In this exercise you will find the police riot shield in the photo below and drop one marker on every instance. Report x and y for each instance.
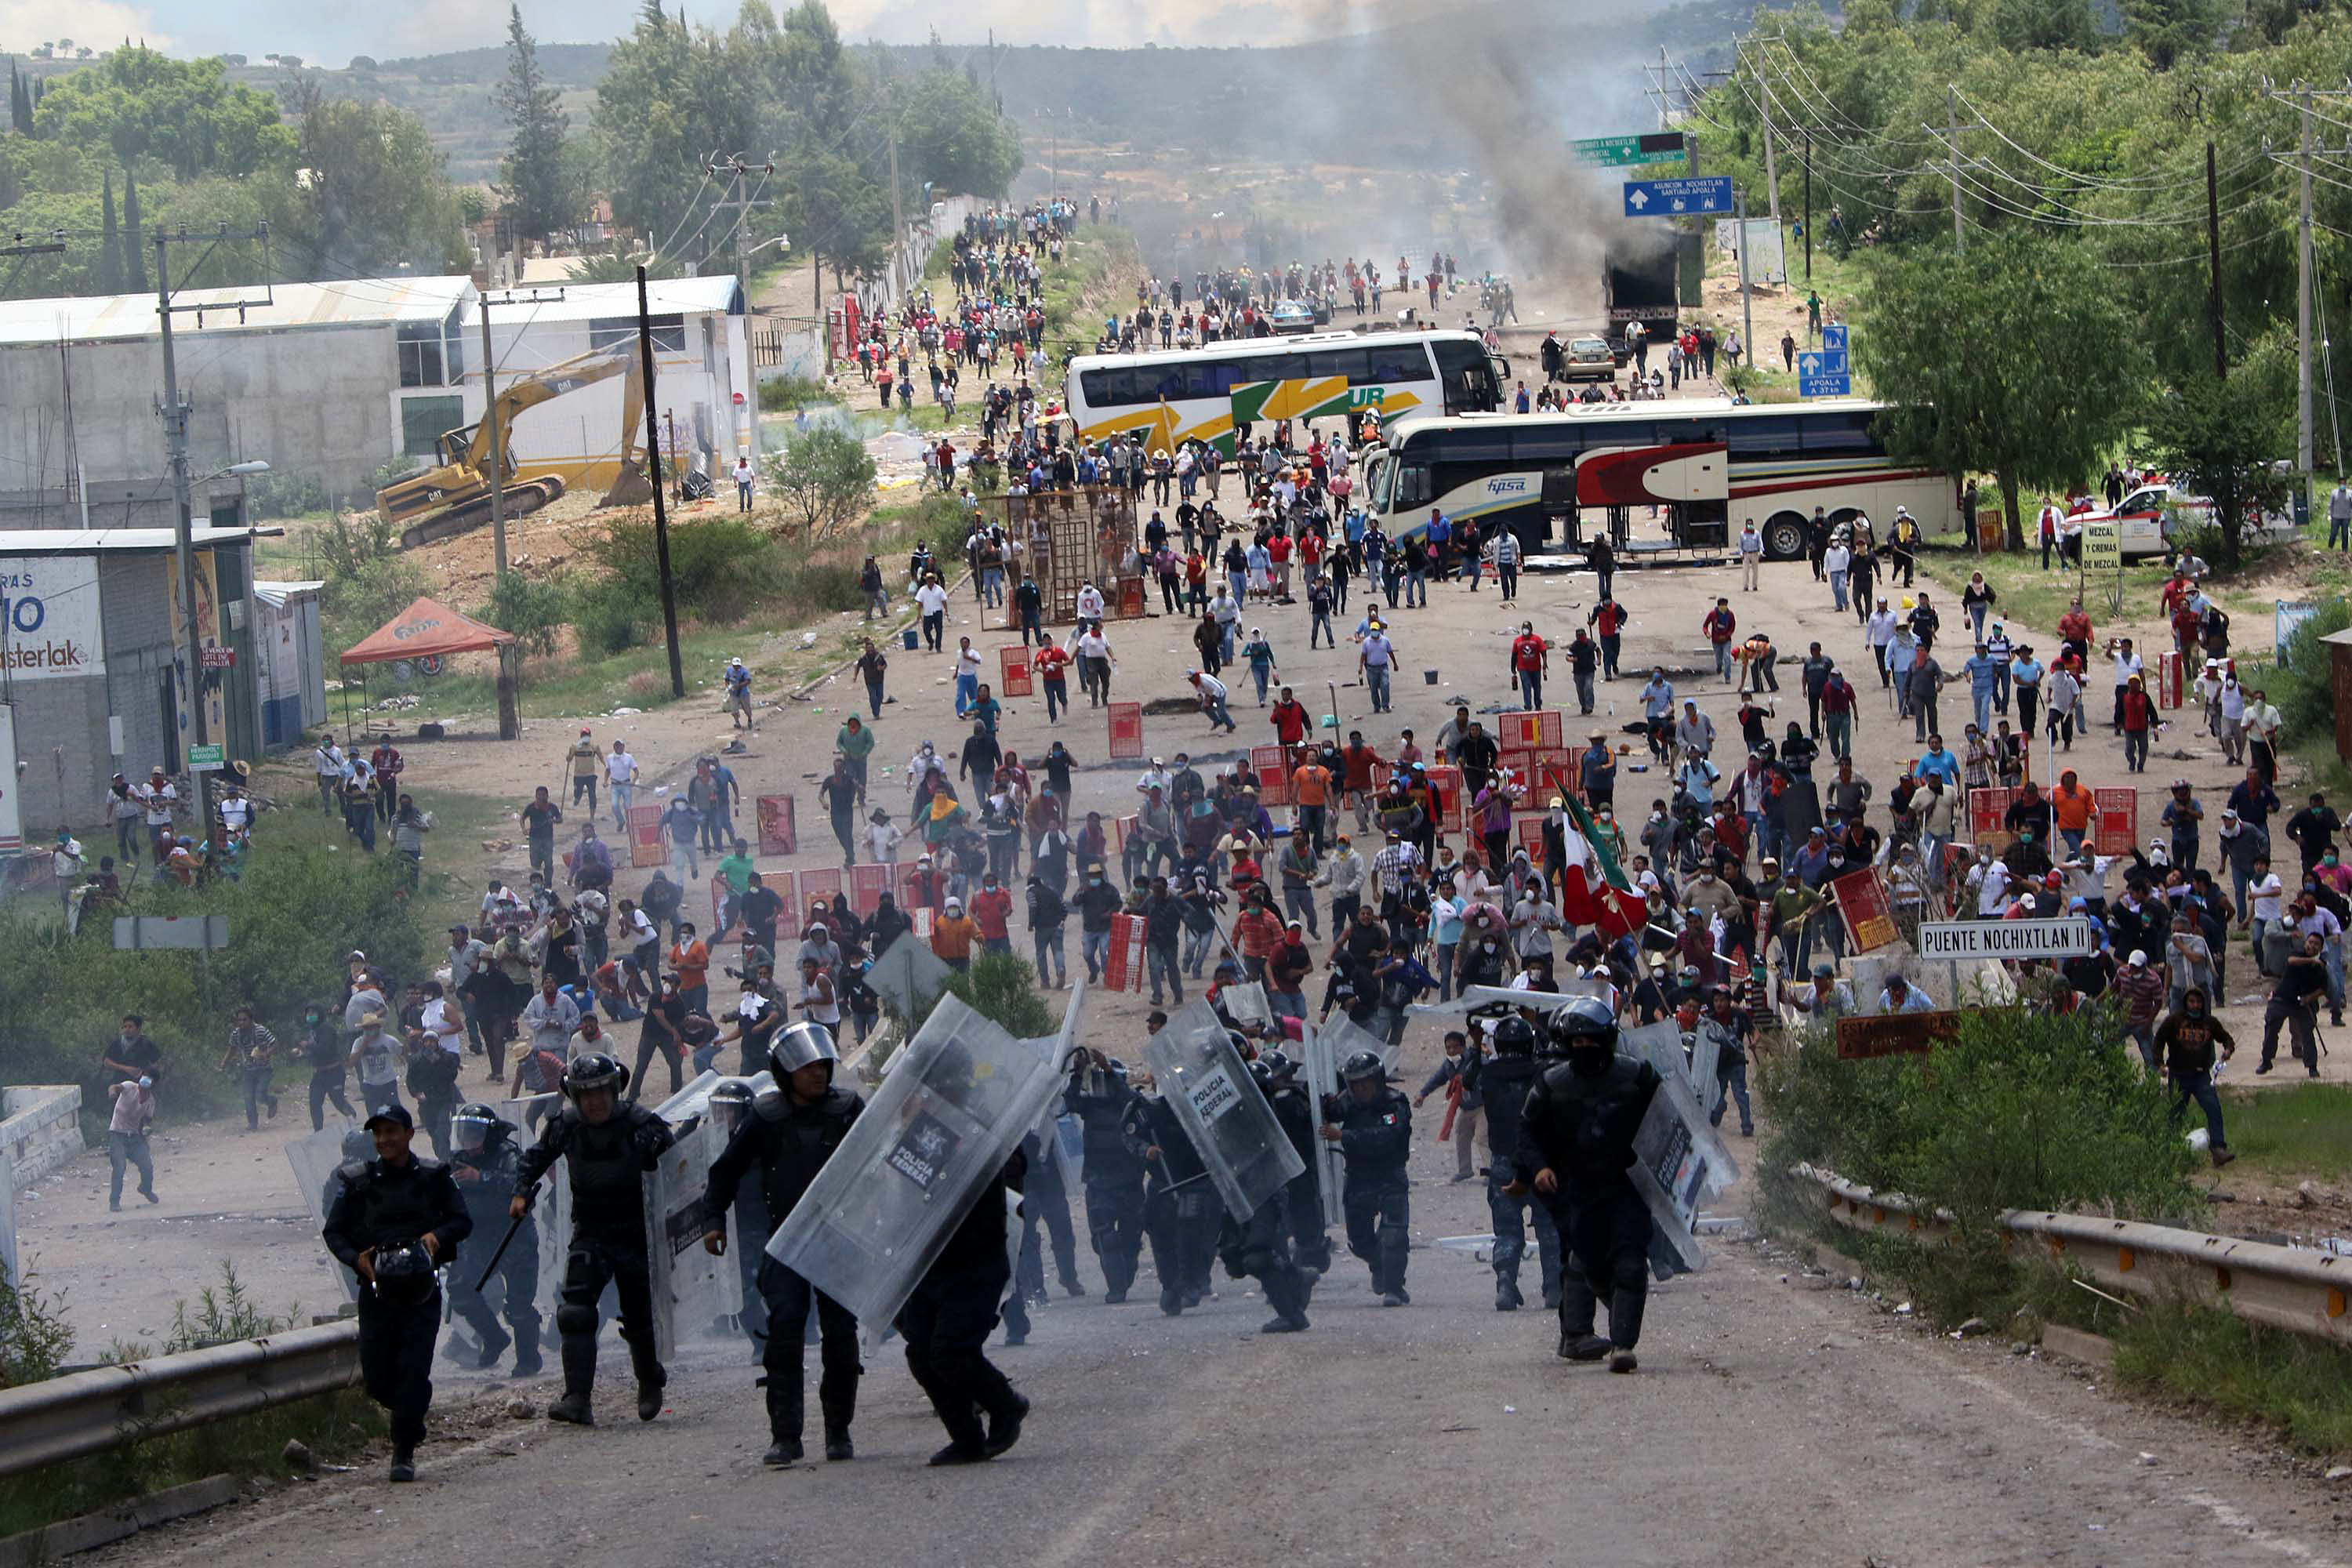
(1248, 1156)
(691, 1290)
(552, 1208)
(1705, 1057)
(907, 974)
(1321, 1074)
(694, 1100)
(1678, 1164)
(945, 1120)
(316, 1160)
(1472, 998)
(1246, 1005)
(1661, 1045)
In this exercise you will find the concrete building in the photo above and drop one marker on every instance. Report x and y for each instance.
(91, 670)
(333, 380)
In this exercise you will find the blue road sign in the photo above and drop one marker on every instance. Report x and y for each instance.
(1825, 361)
(1823, 385)
(1833, 337)
(1671, 198)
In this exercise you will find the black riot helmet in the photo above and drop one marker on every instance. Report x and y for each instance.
(1243, 1047)
(477, 1127)
(1513, 1036)
(358, 1144)
(593, 1070)
(1262, 1075)
(730, 1102)
(1586, 1030)
(801, 1045)
(403, 1273)
(1278, 1066)
(1363, 1065)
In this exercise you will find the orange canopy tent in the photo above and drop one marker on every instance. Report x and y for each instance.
(426, 627)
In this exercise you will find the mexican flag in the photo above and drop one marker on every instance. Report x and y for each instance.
(1594, 889)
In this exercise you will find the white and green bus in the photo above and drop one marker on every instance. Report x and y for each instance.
(1203, 393)
(1707, 465)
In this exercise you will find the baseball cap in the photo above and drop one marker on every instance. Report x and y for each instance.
(2138, 959)
(395, 1114)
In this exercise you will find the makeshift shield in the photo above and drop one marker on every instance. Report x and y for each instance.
(946, 1118)
(1248, 1156)
(1246, 1005)
(907, 974)
(690, 1288)
(694, 1100)
(1678, 1164)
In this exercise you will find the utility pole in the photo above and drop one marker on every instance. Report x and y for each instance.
(498, 474)
(2213, 264)
(661, 513)
(1746, 305)
(2303, 427)
(1952, 145)
(737, 168)
(1809, 209)
(1771, 162)
(174, 412)
(898, 205)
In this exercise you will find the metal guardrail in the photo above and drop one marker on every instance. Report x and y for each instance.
(2278, 1287)
(89, 1412)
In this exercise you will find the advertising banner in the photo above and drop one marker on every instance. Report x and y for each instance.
(49, 617)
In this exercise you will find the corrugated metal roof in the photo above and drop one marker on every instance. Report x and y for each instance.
(601, 301)
(276, 594)
(355, 301)
(102, 541)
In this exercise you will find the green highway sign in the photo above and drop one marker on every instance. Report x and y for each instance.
(206, 758)
(1613, 152)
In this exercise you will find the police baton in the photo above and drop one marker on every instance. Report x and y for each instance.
(513, 1226)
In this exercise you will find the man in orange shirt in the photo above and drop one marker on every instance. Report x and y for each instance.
(2073, 809)
(953, 934)
(1310, 791)
(691, 958)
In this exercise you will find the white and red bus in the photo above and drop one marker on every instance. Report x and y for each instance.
(1708, 465)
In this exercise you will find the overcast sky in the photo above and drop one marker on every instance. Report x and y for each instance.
(332, 35)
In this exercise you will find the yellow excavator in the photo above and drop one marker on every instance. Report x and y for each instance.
(453, 496)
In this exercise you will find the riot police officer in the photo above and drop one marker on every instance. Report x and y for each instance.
(1372, 1123)
(610, 1146)
(1294, 1108)
(1576, 1144)
(397, 1220)
(795, 1127)
(730, 1107)
(1259, 1246)
(1099, 1096)
(1505, 1079)
(1179, 1207)
(947, 1321)
(482, 1159)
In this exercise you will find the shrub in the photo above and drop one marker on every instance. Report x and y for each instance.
(280, 494)
(2298, 679)
(823, 475)
(2019, 1110)
(1003, 988)
(34, 1340)
(605, 616)
(782, 393)
(719, 567)
(534, 608)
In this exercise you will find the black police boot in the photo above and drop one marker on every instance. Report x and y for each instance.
(1586, 1346)
(1172, 1301)
(573, 1408)
(1283, 1324)
(527, 1359)
(960, 1452)
(1004, 1429)
(837, 1446)
(1507, 1294)
(1114, 1298)
(650, 1399)
(782, 1451)
(1623, 1361)
(403, 1462)
(492, 1349)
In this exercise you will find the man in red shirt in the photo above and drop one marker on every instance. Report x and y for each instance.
(1360, 761)
(1719, 627)
(1530, 658)
(1290, 721)
(1052, 665)
(2137, 709)
(992, 906)
(1837, 713)
(1607, 622)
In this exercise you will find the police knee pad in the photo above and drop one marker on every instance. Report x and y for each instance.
(1629, 1271)
(570, 1318)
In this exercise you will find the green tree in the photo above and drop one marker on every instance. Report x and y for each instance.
(109, 244)
(139, 103)
(2169, 31)
(20, 101)
(134, 243)
(375, 194)
(2222, 440)
(536, 173)
(2015, 358)
(668, 99)
(950, 136)
(825, 477)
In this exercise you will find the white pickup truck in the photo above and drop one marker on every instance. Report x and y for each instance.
(2153, 514)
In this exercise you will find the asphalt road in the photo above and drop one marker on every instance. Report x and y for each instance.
(1775, 1420)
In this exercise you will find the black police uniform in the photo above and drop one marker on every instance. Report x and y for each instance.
(485, 1179)
(948, 1319)
(1113, 1174)
(608, 1164)
(1046, 1200)
(1505, 1081)
(753, 1224)
(1582, 1128)
(789, 1149)
(381, 1204)
(1375, 1137)
(1181, 1210)
(1311, 1237)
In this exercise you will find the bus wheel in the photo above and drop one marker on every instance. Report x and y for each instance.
(1784, 537)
